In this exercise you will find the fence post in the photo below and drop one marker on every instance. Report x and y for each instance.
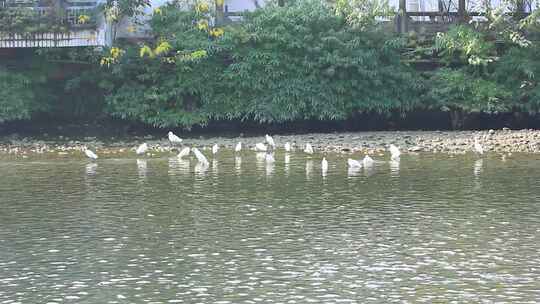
(520, 9)
(403, 19)
(220, 13)
(461, 10)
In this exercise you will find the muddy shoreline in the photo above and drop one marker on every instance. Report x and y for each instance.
(449, 142)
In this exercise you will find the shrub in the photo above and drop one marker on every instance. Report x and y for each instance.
(519, 69)
(280, 64)
(17, 99)
(457, 90)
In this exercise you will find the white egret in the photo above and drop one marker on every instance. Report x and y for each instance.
(200, 157)
(308, 149)
(288, 147)
(184, 152)
(394, 152)
(260, 147)
(354, 163)
(270, 140)
(215, 149)
(238, 147)
(368, 161)
(478, 147)
(89, 153)
(142, 149)
(173, 138)
(324, 165)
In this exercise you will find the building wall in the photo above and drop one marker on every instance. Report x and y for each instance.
(243, 5)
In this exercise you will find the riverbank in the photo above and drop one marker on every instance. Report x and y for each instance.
(448, 142)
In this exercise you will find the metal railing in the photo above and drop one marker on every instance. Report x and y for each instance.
(77, 19)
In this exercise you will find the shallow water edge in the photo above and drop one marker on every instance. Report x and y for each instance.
(448, 142)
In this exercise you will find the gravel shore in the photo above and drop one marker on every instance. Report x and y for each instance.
(449, 142)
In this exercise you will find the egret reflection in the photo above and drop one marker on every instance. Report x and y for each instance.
(178, 166)
(287, 160)
(477, 171)
(201, 168)
(91, 168)
(141, 168)
(324, 167)
(238, 164)
(260, 158)
(369, 170)
(394, 167)
(353, 171)
(215, 169)
(478, 167)
(309, 168)
(270, 168)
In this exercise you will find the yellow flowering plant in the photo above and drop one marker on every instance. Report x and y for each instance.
(82, 19)
(115, 54)
(216, 32)
(202, 7)
(202, 25)
(163, 48)
(146, 51)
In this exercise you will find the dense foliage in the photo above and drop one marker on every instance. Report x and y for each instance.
(280, 64)
(17, 100)
(309, 60)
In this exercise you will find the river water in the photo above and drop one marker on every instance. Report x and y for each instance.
(429, 229)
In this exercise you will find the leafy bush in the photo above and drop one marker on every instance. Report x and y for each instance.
(464, 45)
(457, 90)
(17, 100)
(519, 69)
(280, 64)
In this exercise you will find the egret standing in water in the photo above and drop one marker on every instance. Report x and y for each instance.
(354, 163)
(215, 149)
(394, 152)
(200, 157)
(270, 141)
(142, 149)
(308, 149)
(260, 147)
(90, 154)
(184, 152)
(478, 147)
(238, 147)
(173, 138)
(288, 147)
(367, 161)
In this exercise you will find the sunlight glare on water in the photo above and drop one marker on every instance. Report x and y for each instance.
(425, 229)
